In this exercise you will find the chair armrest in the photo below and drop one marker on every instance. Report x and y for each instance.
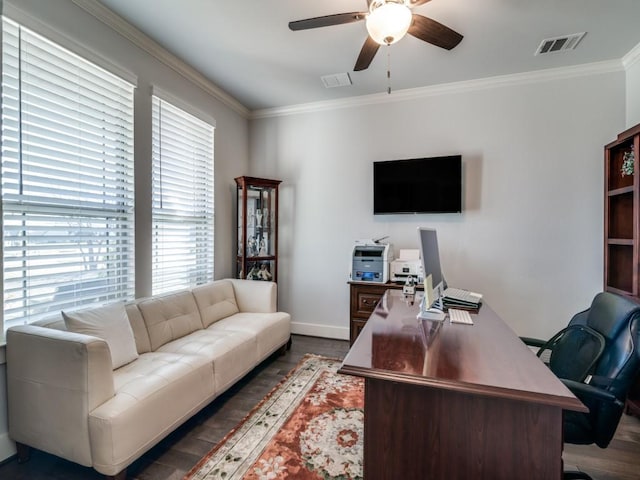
(534, 342)
(255, 295)
(602, 420)
(54, 379)
(587, 392)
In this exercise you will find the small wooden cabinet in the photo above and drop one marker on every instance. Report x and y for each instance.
(257, 228)
(364, 298)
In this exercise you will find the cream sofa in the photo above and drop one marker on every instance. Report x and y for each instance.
(65, 397)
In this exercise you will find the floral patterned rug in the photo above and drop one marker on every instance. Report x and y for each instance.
(310, 427)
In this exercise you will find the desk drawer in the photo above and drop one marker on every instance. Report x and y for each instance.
(365, 303)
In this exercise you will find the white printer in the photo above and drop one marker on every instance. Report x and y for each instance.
(370, 261)
(407, 264)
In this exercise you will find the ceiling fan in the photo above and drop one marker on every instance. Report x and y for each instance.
(387, 22)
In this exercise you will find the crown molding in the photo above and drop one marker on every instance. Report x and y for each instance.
(124, 28)
(632, 57)
(446, 89)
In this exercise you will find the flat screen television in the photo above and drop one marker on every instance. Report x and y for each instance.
(418, 185)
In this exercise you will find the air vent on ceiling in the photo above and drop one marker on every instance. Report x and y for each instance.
(336, 80)
(560, 44)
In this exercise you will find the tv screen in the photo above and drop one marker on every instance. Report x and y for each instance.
(418, 185)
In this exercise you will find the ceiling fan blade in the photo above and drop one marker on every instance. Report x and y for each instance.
(434, 32)
(369, 50)
(327, 20)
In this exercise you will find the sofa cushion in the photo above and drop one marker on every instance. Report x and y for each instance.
(153, 395)
(215, 300)
(109, 323)
(143, 344)
(271, 330)
(231, 353)
(170, 317)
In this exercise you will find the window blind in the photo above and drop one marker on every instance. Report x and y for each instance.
(67, 179)
(182, 214)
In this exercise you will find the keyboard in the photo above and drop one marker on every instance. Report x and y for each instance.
(460, 316)
(454, 295)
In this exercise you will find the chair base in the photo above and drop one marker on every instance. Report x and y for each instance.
(576, 475)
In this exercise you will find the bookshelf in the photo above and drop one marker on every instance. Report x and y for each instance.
(622, 216)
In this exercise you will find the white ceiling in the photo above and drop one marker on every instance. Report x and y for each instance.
(246, 48)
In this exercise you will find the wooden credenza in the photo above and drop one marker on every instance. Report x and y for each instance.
(364, 298)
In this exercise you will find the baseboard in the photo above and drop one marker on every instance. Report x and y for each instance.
(7, 447)
(324, 331)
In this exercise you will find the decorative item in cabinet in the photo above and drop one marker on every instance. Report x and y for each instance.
(257, 230)
(622, 215)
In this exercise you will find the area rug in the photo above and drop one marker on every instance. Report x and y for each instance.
(309, 427)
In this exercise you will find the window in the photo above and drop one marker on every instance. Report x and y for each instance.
(67, 179)
(182, 242)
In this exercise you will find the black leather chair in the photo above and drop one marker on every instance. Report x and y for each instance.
(607, 375)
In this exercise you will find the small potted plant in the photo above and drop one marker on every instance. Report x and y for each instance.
(628, 161)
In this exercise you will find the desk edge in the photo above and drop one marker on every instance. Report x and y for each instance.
(566, 403)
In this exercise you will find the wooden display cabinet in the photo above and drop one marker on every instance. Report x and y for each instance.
(257, 228)
(622, 229)
(622, 217)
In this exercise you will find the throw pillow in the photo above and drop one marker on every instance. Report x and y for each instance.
(111, 324)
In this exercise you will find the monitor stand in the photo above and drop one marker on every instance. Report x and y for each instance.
(434, 312)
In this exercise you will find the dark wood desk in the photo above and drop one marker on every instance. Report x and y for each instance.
(451, 401)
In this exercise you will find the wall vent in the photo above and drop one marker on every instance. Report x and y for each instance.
(336, 80)
(559, 44)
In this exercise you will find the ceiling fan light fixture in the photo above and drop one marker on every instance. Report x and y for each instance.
(388, 21)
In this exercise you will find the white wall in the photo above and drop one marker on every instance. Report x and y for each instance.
(633, 90)
(530, 237)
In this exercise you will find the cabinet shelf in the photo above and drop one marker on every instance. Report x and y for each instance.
(619, 291)
(258, 258)
(620, 241)
(620, 191)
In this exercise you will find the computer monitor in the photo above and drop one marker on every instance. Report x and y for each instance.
(431, 306)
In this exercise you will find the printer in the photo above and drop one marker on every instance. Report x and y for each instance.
(370, 261)
(407, 264)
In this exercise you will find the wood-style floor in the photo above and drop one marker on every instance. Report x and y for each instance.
(174, 456)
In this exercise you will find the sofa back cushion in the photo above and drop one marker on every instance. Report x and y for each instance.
(143, 344)
(169, 317)
(135, 319)
(111, 324)
(215, 300)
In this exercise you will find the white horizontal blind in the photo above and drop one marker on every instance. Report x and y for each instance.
(182, 199)
(67, 180)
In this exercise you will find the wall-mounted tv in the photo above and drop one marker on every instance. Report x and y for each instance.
(418, 185)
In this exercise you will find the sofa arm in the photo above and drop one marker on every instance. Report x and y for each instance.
(54, 379)
(255, 295)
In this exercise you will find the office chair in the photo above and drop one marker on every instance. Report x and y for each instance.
(607, 373)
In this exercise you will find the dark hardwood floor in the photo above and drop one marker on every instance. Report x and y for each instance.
(175, 455)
